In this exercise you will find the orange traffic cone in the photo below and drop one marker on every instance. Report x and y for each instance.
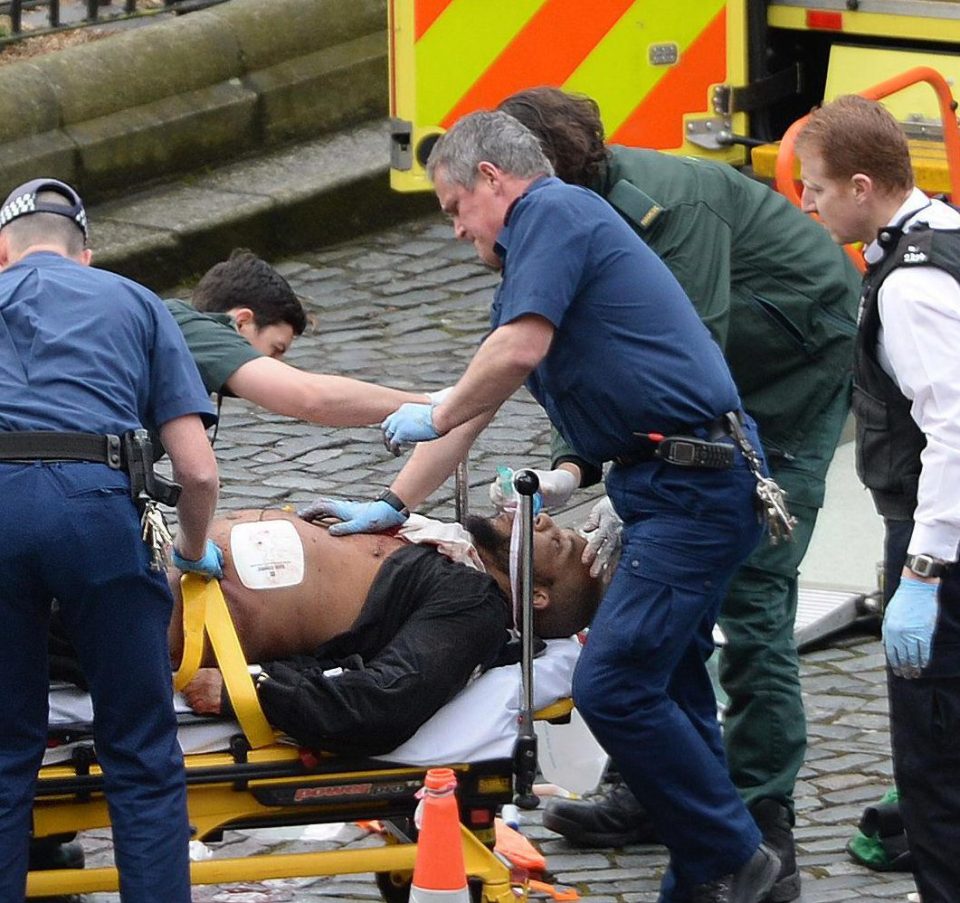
(439, 875)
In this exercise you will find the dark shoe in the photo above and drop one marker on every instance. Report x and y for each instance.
(54, 853)
(881, 842)
(611, 820)
(749, 885)
(773, 820)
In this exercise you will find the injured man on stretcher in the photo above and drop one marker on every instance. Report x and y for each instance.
(362, 638)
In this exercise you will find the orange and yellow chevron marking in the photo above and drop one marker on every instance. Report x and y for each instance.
(470, 54)
(655, 121)
(546, 45)
(459, 46)
(618, 73)
(426, 11)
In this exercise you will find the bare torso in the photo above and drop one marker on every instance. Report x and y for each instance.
(279, 622)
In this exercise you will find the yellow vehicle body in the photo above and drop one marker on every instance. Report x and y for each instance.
(652, 65)
(708, 78)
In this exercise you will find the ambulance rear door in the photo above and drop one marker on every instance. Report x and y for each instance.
(657, 68)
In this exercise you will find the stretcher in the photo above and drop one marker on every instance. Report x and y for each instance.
(263, 780)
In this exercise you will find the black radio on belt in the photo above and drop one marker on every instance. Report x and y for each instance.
(688, 451)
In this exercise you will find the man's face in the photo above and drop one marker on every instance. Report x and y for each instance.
(476, 213)
(273, 340)
(556, 552)
(835, 201)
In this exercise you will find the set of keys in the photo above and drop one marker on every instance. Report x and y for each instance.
(773, 507)
(771, 499)
(155, 534)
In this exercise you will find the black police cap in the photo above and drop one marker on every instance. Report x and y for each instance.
(22, 201)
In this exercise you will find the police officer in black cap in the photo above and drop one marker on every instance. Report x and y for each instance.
(87, 358)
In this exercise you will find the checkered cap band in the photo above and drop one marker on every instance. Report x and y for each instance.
(23, 201)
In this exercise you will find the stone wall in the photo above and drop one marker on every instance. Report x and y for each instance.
(182, 94)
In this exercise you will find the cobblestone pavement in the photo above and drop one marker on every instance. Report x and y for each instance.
(406, 308)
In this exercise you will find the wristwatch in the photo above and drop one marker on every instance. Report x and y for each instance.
(394, 501)
(926, 565)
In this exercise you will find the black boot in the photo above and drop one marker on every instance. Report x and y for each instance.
(611, 820)
(881, 841)
(773, 820)
(58, 852)
(750, 884)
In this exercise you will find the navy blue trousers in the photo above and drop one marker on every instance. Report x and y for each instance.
(70, 531)
(642, 683)
(925, 735)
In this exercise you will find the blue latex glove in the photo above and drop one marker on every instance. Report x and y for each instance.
(909, 623)
(356, 517)
(210, 566)
(407, 424)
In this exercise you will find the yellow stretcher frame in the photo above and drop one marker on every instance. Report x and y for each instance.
(265, 782)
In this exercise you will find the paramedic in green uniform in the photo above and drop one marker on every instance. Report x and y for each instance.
(780, 298)
(244, 318)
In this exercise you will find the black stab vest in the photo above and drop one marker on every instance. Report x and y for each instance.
(888, 440)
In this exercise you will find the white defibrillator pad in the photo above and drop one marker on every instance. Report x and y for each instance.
(267, 554)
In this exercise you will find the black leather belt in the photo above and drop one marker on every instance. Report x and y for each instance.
(51, 446)
(685, 449)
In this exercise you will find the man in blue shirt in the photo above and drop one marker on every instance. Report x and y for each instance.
(86, 357)
(780, 298)
(608, 343)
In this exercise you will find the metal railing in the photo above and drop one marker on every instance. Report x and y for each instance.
(788, 185)
(61, 15)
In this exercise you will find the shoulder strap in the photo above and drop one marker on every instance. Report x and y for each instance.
(924, 247)
(633, 204)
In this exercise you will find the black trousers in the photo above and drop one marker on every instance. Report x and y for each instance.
(925, 734)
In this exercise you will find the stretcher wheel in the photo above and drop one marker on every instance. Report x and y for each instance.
(394, 887)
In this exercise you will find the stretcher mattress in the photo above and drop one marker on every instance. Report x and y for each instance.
(478, 724)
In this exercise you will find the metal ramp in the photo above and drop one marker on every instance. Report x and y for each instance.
(821, 611)
(824, 612)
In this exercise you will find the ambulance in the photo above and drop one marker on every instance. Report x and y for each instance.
(718, 79)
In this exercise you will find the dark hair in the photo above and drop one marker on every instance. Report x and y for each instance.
(571, 609)
(853, 134)
(569, 129)
(244, 280)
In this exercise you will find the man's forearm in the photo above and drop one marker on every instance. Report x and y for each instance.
(433, 462)
(936, 529)
(341, 401)
(315, 397)
(194, 512)
(498, 369)
(195, 468)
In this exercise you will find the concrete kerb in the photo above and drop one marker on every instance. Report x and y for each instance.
(161, 106)
(320, 191)
(184, 93)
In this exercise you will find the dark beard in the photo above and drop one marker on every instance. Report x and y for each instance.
(488, 540)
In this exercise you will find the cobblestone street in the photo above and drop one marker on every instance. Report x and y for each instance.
(406, 308)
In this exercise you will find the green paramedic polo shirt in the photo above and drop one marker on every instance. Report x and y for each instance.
(216, 346)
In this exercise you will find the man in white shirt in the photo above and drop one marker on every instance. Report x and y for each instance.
(857, 177)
